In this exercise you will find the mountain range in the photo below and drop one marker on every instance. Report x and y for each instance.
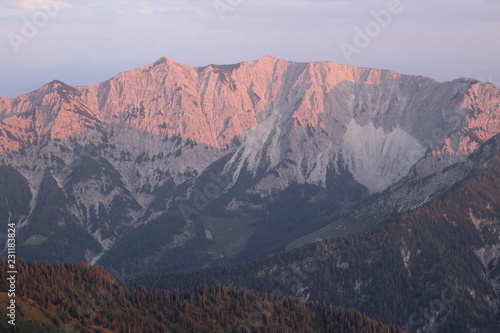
(141, 147)
(170, 168)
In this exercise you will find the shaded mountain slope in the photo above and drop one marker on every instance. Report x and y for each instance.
(433, 269)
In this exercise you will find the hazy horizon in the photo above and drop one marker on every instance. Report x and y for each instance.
(90, 41)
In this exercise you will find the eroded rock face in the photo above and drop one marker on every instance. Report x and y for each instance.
(151, 129)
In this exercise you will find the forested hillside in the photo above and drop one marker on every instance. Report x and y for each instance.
(70, 297)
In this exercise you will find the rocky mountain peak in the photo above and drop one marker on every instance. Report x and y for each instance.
(149, 136)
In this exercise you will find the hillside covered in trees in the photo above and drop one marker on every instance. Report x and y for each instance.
(70, 297)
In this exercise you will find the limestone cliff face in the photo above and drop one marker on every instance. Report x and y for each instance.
(163, 124)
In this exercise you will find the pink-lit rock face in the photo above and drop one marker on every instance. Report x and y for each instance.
(210, 105)
(314, 114)
(148, 135)
(54, 111)
(476, 121)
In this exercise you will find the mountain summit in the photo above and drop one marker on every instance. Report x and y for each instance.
(123, 155)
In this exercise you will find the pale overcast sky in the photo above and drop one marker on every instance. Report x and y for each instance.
(86, 41)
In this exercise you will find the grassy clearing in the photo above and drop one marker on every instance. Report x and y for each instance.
(35, 240)
(229, 234)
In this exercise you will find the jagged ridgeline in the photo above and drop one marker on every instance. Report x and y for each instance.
(70, 297)
(171, 167)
